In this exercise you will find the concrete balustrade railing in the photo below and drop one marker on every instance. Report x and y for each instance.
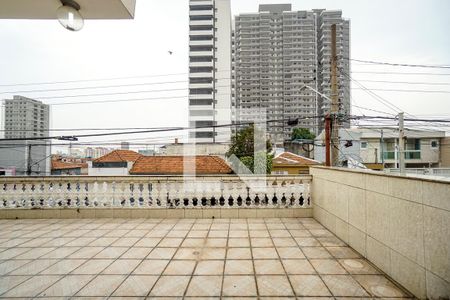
(155, 192)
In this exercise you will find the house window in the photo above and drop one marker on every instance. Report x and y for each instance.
(434, 144)
(363, 145)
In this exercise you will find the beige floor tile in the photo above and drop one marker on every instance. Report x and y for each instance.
(177, 233)
(86, 252)
(275, 225)
(102, 285)
(298, 266)
(13, 252)
(136, 285)
(238, 267)
(273, 285)
(111, 252)
(67, 286)
(213, 253)
(269, 266)
(94, 266)
(122, 266)
(320, 232)
(241, 286)
(331, 242)
(307, 242)
(151, 267)
(316, 252)
(103, 242)
(180, 267)
(220, 227)
(207, 286)
(170, 286)
(193, 242)
(215, 242)
(238, 242)
(358, 266)
(34, 253)
(81, 241)
(259, 253)
(257, 226)
(218, 234)
(11, 265)
(63, 267)
(198, 234)
(34, 267)
(309, 285)
(238, 233)
(147, 242)
(343, 285)
(262, 242)
(284, 242)
(276, 233)
(379, 286)
(240, 226)
(259, 233)
(9, 282)
(162, 253)
(137, 252)
(296, 233)
(209, 267)
(61, 252)
(188, 253)
(32, 287)
(125, 242)
(170, 242)
(239, 253)
(327, 266)
(343, 252)
(291, 252)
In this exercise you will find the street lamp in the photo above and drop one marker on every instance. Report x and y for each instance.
(69, 16)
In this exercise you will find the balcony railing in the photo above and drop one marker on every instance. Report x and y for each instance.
(409, 154)
(155, 192)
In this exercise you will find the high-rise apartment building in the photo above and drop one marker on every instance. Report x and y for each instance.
(25, 118)
(209, 70)
(277, 53)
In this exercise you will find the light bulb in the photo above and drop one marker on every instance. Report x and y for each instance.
(70, 18)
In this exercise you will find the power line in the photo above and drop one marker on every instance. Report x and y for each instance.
(401, 73)
(406, 82)
(399, 64)
(407, 91)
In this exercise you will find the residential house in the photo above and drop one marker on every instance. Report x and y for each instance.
(117, 162)
(68, 168)
(288, 163)
(179, 165)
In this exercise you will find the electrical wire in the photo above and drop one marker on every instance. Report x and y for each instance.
(398, 64)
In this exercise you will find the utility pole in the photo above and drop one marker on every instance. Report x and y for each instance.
(327, 140)
(334, 97)
(382, 148)
(401, 143)
(29, 160)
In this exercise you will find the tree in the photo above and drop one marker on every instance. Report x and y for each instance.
(302, 134)
(242, 145)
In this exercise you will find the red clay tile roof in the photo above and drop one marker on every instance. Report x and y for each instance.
(173, 165)
(119, 156)
(288, 158)
(59, 165)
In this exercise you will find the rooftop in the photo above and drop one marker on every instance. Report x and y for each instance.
(119, 156)
(174, 165)
(293, 159)
(183, 257)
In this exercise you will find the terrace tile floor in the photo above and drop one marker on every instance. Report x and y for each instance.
(183, 259)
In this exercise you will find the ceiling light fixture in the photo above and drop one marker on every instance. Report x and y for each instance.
(69, 16)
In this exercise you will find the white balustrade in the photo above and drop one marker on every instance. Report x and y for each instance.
(155, 192)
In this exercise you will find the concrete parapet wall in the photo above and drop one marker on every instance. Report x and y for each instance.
(401, 224)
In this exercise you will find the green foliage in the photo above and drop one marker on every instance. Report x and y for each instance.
(242, 145)
(302, 134)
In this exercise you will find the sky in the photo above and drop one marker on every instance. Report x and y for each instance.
(37, 51)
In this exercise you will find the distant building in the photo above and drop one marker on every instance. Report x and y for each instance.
(217, 149)
(125, 146)
(96, 152)
(288, 163)
(117, 162)
(377, 148)
(68, 165)
(209, 70)
(179, 165)
(277, 52)
(25, 118)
